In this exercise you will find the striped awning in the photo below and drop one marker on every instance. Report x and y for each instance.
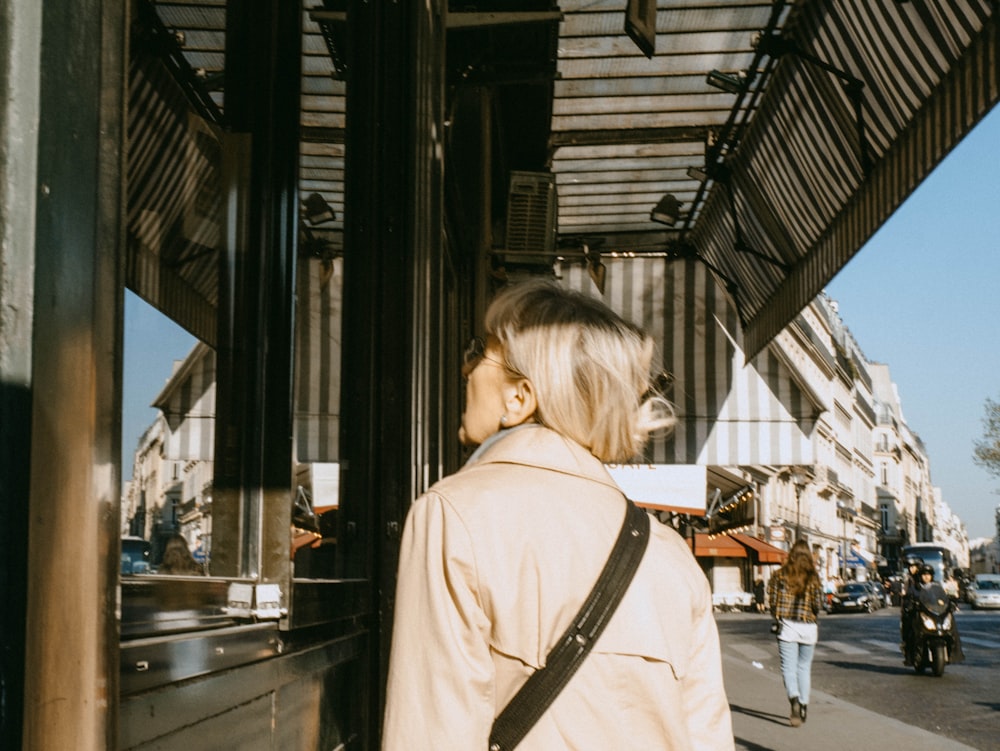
(318, 338)
(730, 412)
(838, 118)
(847, 106)
(175, 200)
(810, 186)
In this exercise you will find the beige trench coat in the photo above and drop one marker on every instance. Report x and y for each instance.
(495, 561)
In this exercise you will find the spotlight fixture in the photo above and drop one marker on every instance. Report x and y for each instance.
(316, 210)
(697, 173)
(732, 84)
(667, 210)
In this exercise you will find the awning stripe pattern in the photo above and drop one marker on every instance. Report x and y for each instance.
(319, 321)
(945, 96)
(729, 412)
(613, 105)
(930, 73)
(915, 153)
(175, 202)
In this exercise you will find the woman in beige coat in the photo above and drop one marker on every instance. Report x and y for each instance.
(498, 558)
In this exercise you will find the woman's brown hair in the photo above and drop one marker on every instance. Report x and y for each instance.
(799, 569)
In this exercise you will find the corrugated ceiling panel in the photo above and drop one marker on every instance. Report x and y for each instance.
(609, 92)
(627, 128)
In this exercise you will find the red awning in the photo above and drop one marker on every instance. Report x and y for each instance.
(721, 546)
(765, 552)
(673, 509)
(737, 545)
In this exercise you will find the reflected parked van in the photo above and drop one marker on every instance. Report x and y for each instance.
(135, 555)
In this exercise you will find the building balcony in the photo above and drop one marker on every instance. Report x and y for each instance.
(825, 480)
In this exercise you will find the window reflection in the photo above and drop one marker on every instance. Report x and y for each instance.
(188, 263)
(168, 434)
(319, 320)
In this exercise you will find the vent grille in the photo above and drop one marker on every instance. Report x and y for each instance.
(531, 216)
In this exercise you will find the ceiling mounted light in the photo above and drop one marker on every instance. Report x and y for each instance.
(733, 84)
(640, 25)
(697, 173)
(667, 210)
(317, 211)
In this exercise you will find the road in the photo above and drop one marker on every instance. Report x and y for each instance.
(858, 661)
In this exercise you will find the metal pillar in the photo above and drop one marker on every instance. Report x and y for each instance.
(71, 628)
(256, 319)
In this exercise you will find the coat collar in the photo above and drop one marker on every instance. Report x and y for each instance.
(534, 445)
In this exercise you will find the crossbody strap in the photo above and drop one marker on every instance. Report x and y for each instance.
(542, 687)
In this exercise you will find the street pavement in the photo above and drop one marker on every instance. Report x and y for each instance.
(760, 718)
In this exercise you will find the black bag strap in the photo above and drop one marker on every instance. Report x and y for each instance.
(542, 687)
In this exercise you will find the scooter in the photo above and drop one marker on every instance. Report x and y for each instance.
(934, 637)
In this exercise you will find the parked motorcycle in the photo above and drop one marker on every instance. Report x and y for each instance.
(934, 636)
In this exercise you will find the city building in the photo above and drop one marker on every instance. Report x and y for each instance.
(171, 487)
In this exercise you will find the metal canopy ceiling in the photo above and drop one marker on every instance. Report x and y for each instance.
(800, 174)
(841, 111)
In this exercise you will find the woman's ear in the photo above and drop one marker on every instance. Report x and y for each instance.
(519, 402)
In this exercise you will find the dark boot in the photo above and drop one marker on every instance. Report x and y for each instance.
(802, 712)
(795, 718)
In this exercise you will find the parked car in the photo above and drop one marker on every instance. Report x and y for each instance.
(984, 591)
(854, 597)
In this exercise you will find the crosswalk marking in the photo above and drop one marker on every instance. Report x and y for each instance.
(983, 639)
(752, 652)
(840, 646)
(892, 646)
(978, 642)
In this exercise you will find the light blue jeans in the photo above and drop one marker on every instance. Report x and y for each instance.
(796, 668)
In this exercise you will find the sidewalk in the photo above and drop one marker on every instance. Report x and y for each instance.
(760, 718)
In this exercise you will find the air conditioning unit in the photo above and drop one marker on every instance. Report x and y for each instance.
(531, 221)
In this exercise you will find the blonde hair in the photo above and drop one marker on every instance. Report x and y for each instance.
(590, 368)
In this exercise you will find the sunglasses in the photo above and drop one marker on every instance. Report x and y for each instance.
(659, 386)
(475, 353)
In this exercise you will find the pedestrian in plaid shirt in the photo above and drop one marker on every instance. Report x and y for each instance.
(795, 595)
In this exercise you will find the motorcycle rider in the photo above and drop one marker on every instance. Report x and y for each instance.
(907, 608)
(910, 608)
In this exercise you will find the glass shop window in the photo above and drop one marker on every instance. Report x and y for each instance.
(176, 204)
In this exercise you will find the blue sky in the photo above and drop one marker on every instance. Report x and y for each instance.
(923, 296)
(152, 343)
